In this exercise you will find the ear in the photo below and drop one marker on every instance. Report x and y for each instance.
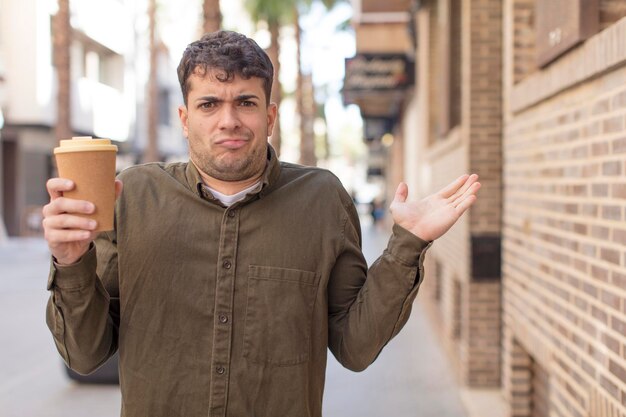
(272, 114)
(182, 115)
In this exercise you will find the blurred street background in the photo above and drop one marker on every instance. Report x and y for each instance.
(523, 309)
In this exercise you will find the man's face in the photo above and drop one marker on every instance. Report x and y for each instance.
(227, 125)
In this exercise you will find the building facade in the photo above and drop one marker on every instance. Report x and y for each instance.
(564, 252)
(108, 57)
(528, 291)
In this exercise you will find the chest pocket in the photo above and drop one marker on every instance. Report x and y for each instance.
(279, 314)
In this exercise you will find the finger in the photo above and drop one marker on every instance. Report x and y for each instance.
(56, 187)
(466, 185)
(119, 186)
(69, 222)
(62, 205)
(451, 188)
(470, 191)
(56, 236)
(465, 204)
(402, 192)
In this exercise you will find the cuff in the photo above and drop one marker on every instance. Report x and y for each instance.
(406, 247)
(77, 275)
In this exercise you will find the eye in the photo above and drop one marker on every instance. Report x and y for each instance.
(248, 103)
(207, 105)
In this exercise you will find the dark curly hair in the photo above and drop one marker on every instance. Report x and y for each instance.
(230, 53)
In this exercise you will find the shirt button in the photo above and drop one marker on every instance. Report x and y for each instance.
(220, 370)
(223, 318)
(231, 214)
(227, 264)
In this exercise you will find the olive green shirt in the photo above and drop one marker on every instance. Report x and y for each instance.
(222, 311)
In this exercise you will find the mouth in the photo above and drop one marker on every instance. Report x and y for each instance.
(232, 143)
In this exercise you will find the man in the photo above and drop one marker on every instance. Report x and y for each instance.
(227, 278)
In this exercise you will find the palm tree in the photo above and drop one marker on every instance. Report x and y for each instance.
(275, 13)
(212, 16)
(61, 39)
(305, 94)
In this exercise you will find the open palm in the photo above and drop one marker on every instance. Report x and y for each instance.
(434, 215)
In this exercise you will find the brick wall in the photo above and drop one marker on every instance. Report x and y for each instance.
(434, 64)
(483, 89)
(564, 241)
(466, 311)
(481, 334)
(524, 55)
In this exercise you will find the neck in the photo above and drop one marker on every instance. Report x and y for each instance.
(228, 187)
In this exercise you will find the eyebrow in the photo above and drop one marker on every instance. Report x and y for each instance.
(240, 97)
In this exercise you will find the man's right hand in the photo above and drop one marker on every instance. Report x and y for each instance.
(68, 235)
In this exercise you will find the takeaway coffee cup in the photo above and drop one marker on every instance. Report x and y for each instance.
(90, 163)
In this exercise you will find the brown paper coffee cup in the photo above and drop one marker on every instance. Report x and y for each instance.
(90, 163)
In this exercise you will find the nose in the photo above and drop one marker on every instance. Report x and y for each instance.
(229, 118)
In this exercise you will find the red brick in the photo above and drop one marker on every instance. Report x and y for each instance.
(619, 279)
(612, 212)
(610, 255)
(599, 315)
(590, 210)
(613, 125)
(618, 191)
(610, 342)
(619, 236)
(591, 130)
(600, 232)
(612, 168)
(590, 289)
(611, 299)
(619, 145)
(600, 149)
(618, 325)
(619, 101)
(599, 273)
(610, 387)
(600, 190)
(601, 106)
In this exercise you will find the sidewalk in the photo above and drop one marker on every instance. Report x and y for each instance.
(409, 379)
(32, 376)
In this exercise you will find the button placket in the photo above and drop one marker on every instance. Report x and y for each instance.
(223, 311)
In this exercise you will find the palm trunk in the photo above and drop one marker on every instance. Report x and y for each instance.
(212, 16)
(151, 153)
(307, 118)
(62, 41)
(274, 52)
(305, 104)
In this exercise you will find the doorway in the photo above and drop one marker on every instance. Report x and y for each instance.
(9, 186)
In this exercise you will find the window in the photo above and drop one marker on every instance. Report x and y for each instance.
(450, 44)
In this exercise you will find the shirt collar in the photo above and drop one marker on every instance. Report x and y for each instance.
(268, 179)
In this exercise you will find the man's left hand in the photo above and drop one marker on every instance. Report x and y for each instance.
(433, 216)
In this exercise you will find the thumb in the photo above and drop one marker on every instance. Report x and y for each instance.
(118, 188)
(402, 192)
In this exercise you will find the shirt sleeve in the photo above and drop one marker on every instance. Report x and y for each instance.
(82, 314)
(367, 308)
